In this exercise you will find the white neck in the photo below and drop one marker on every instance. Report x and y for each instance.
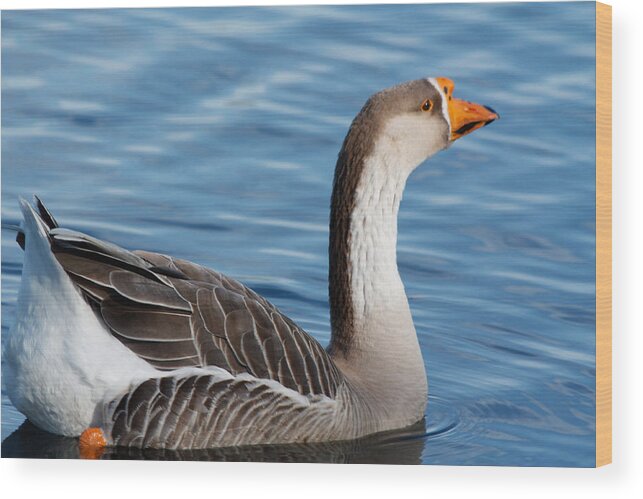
(379, 302)
(382, 352)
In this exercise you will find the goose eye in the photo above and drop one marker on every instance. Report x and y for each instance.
(427, 105)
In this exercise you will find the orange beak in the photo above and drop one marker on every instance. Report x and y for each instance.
(465, 116)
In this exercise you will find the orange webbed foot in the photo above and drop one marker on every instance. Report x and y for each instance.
(92, 443)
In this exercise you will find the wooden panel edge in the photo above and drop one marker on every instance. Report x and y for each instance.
(603, 234)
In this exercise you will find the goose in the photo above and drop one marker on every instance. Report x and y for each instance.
(144, 350)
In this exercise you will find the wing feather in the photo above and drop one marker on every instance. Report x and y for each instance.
(145, 324)
(139, 289)
(174, 313)
(210, 409)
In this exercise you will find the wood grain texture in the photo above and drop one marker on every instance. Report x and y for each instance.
(603, 234)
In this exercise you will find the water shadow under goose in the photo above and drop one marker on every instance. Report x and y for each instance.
(403, 446)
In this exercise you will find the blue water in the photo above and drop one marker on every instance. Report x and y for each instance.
(211, 134)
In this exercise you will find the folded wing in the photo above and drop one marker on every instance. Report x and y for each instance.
(176, 314)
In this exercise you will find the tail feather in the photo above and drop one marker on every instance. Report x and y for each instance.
(43, 217)
(20, 235)
(45, 214)
(43, 223)
(20, 239)
(32, 225)
(83, 257)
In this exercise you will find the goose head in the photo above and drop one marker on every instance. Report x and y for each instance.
(410, 122)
